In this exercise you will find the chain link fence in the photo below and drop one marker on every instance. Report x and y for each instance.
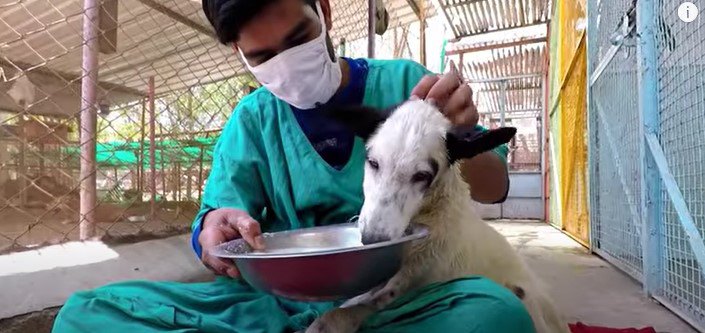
(639, 148)
(163, 90)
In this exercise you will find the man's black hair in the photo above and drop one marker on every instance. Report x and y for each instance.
(229, 16)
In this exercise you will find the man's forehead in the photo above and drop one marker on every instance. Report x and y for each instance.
(278, 18)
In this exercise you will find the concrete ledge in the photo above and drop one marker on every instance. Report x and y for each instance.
(35, 280)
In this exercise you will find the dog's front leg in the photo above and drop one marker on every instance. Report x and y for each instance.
(341, 320)
(349, 317)
(395, 287)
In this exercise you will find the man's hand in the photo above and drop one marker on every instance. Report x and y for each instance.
(222, 225)
(450, 94)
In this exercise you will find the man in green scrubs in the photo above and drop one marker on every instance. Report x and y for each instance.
(280, 164)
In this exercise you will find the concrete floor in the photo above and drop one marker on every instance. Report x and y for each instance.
(585, 287)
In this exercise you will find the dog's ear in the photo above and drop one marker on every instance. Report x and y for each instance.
(363, 121)
(467, 142)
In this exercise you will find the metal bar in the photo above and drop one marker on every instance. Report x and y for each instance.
(603, 63)
(502, 103)
(679, 203)
(371, 23)
(543, 150)
(590, 126)
(510, 119)
(497, 46)
(178, 17)
(514, 111)
(507, 78)
(152, 151)
(89, 119)
(524, 88)
(647, 59)
(507, 29)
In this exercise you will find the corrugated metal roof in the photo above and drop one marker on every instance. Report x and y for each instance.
(45, 36)
(484, 69)
(472, 17)
(489, 55)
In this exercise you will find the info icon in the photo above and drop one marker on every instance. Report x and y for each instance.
(688, 12)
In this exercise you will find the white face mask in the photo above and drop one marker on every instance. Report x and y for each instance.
(302, 76)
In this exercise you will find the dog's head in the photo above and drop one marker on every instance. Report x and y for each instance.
(409, 147)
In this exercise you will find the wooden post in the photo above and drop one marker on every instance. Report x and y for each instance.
(89, 119)
(371, 24)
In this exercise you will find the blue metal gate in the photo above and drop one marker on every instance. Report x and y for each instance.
(646, 124)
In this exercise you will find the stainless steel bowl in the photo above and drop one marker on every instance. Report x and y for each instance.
(318, 264)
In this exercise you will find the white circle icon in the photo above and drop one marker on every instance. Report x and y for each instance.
(688, 12)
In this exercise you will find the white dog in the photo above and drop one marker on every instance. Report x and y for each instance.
(411, 174)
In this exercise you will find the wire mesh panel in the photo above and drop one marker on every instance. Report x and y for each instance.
(682, 114)
(616, 210)
(615, 142)
(165, 89)
(615, 215)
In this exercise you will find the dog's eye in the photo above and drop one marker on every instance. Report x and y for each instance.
(422, 177)
(373, 164)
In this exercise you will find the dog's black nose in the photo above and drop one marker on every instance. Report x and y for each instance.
(373, 238)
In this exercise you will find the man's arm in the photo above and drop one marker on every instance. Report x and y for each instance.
(487, 176)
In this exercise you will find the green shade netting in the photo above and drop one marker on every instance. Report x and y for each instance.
(122, 154)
